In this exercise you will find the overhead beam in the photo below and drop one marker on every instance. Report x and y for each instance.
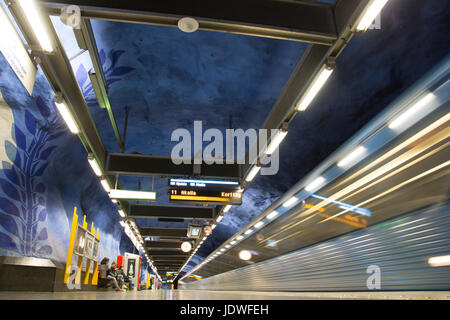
(165, 253)
(172, 212)
(289, 20)
(145, 165)
(162, 244)
(169, 258)
(164, 232)
(86, 40)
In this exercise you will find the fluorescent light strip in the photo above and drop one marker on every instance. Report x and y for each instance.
(240, 238)
(219, 218)
(227, 208)
(272, 215)
(259, 224)
(249, 231)
(314, 88)
(252, 173)
(370, 14)
(105, 185)
(67, 116)
(122, 213)
(131, 194)
(94, 165)
(315, 184)
(405, 116)
(32, 13)
(275, 141)
(352, 157)
(290, 202)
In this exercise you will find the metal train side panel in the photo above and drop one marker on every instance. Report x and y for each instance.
(400, 247)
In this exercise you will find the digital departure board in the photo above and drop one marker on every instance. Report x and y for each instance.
(205, 196)
(205, 191)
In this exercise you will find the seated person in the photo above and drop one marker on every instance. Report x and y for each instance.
(103, 268)
(111, 275)
(122, 278)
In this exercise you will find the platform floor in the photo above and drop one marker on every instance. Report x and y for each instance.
(221, 295)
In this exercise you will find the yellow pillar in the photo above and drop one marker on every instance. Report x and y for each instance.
(73, 231)
(95, 272)
(80, 259)
(148, 281)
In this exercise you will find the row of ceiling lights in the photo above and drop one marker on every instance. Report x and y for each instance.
(34, 18)
(368, 16)
(399, 123)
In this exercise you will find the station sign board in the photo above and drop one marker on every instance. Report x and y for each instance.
(13, 49)
(205, 191)
(205, 196)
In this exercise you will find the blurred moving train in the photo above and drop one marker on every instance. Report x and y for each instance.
(377, 206)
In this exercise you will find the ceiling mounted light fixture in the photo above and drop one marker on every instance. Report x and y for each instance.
(33, 14)
(188, 24)
(65, 113)
(253, 173)
(245, 255)
(313, 89)
(370, 14)
(94, 164)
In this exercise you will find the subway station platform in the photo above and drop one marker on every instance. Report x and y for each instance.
(223, 295)
(197, 150)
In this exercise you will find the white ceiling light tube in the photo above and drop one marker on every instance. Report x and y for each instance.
(290, 202)
(352, 157)
(259, 224)
(315, 184)
(227, 208)
(33, 15)
(407, 115)
(219, 218)
(272, 215)
(252, 173)
(65, 114)
(122, 213)
(105, 184)
(248, 231)
(94, 164)
(132, 195)
(370, 14)
(275, 141)
(315, 86)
